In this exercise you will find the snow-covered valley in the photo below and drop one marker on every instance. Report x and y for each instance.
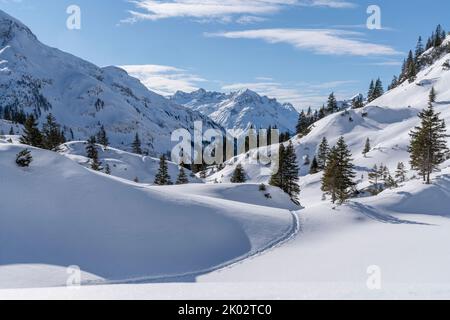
(209, 238)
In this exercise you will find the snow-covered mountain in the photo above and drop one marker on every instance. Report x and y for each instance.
(35, 78)
(241, 109)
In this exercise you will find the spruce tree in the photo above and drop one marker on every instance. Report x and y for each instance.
(291, 172)
(182, 177)
(378, 90)
(367, 148)
(239, 175)
(314, 166)
(136, 146)
(11, 131)
(52, 134)
(92, 154)
(411, 70)
(162, 177)
(332, 104)
(428, 145)
(302, 124)
(358, 102)
(277, 178)
(322, 154)
(24, 158)
(371, 92)
(339, 173)
(102, 137)
(400, 174)
(31, 134)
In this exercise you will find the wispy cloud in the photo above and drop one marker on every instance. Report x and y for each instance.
(164, 80)
(244, 11)
(320, 41)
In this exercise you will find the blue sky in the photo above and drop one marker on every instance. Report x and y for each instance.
(295, 50)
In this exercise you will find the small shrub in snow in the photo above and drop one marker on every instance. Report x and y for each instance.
(262, 187)
(446, 65)
(268, 196)
(24, 158)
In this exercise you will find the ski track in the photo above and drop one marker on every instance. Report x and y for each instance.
(190, 277)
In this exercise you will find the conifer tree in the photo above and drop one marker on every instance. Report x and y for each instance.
(358, 102)
(239, 175)
(411, 70)
(52, 134)
(137, 149)
(314, 166)
(302, 124)
(419, 50)
(102, 137)
(107, 169)
(11, 131)
(286, 176)
(400, 174)
(375, 177)
(339, 173)
(371, 92)
(162, 177)
(32, 136)
(322, 155)
(428, 145)
(367, 148)
(182, 177)
(24, 158)
(332, 104)
(378, 90)
(92, 153)
(394, 83)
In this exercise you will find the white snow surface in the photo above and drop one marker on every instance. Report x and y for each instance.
(124, 164)
(116, 230)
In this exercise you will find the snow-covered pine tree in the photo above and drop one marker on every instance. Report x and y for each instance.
(239, 175)
(136, 145)
(367, 148)
(400, 173)
(428, 145)
(322, 154)
(358, 102)
(162, 177)
(182, 177)
(92, 153)
(24, 158)
(374, 179)
(31, 136)
(102, 137)
(339, 173)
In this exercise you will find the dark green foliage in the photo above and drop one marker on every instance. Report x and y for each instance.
(428, 147)
(136, 145)
(92, 154)
(286, 175)
(31, 134)
(162, 177)
(367, 148)
(314, 166)
(339, 173)
(239, 175)
(322, 154)
(182, 177)
(52, 134)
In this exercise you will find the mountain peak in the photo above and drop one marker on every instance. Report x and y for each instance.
(11, 28)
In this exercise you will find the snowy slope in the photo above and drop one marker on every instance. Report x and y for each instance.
(123, 164)
(386, 121)
(36, 78)
(241, 109)
(57, 214)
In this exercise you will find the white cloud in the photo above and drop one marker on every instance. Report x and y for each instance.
(321, 41)
(222, 10)
(164, 80)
